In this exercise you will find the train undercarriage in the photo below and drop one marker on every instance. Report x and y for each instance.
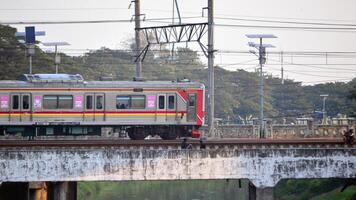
(166, 132)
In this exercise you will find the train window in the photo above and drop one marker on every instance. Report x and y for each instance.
(25, 102)
(65, 102)
(161, 102)
(99, 102)
(131, 102)
(138, 102)
(191, 99)
(50, 102)
(171, 102)
(122, 102)
(57, 102)
(89, 102)
(15, 102)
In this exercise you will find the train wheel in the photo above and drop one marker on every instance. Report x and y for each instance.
(137, 133)
(170, 134)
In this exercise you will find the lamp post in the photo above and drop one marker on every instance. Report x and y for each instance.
(324, 111)
(30, 41)
(262, 60)
(57, 58)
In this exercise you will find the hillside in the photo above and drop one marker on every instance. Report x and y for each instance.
(237, 92)
(236, 96)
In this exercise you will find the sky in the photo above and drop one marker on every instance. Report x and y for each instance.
(334, 57)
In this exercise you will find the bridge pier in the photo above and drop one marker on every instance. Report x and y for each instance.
(62, 191)
(260, 193)
(37, 191)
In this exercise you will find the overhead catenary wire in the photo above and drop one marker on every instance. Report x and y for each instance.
(223, 14)
(86, 21)
(317, 28)
(286, 22)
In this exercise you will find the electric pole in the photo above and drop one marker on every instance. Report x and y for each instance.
(30, 52)
(57, 57)
(262, 60)
(138, 38)
(324, 110)
(211, 64)
(282, 70)
(191, 32)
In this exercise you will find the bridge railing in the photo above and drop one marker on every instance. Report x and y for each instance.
(278, 131)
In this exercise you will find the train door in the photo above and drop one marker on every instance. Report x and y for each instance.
(166, 108)
(192, 107)
(171, 100)
(161, 113)
(20, 108)
(94, 107)
(26, 109)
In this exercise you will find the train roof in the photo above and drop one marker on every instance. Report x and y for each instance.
(77, 81)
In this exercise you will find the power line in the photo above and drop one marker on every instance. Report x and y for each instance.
(86, 21)
(286, 22)
(287, 27)
(230, 51)
(313, 66)
(37, 9)
(315, 75)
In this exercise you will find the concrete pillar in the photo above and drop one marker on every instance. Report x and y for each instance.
(62, 191)
(14, 191)
(264, 193)
(251, 192)
(260, 193)
(38, 191)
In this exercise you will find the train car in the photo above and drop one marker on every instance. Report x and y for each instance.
(64, 104)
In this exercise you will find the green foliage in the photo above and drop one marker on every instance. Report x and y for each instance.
(162, 190)
(237, 92)
(313, 189)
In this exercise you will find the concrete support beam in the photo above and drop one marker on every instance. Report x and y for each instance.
(14, 191)
(266, 193)
(62, 191)
(263, 166)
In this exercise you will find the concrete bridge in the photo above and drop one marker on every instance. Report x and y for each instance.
(279, 131)
(264, 163)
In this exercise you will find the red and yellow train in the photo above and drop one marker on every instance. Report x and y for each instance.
(63, 104)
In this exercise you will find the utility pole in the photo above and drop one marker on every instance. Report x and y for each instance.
(282, 70)
(191, 32)
(262, 51)
(30, 41)
(262, 60)
(211, 65)
(324, 111)
(138, 38)
(57, 57)
(30, 52)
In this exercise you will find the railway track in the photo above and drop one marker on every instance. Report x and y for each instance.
(159, 142)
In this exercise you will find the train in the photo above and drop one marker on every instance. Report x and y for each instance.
(66, 104)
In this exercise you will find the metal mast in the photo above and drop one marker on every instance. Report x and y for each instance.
(211, 64)
(183, 33)
(262, 51)
(57, 58)
(138, 38)
(262, 60)
(324, 111)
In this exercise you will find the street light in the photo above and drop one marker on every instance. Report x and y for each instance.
(324, 111)
(57, 58)
(262, 59)
(30, 39)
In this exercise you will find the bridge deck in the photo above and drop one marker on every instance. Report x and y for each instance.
(158, 142)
